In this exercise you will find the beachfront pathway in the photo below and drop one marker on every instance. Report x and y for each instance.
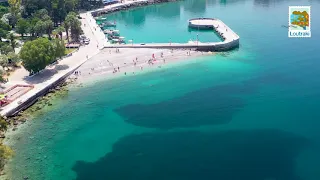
(54, 72)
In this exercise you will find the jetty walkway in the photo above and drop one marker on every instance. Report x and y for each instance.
(229, 37)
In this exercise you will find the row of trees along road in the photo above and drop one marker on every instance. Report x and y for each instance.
(44, 23)
(41, 23)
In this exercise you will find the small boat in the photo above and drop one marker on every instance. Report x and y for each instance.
(121, 39)
(107, 31)
(101, 19)
(115, 40)
(116, 32)
(110, 37)
(109, 24)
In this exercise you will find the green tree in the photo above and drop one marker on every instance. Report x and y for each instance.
(5, 49)
(70, 5)
(58, 10)
(59, 30)
(14, 58)
(22, 26)
(14, 11)
(3, 123)
(32, 28)
(41, 14)
(5, 154)
(3, 34)
(60, 48)
(37, 54)
(12, 39)
(66, 25)
(40, 28)
(3, 10)
(48, 26)
(1, 76)
(3, 60)
(5, 26)
(75, 26)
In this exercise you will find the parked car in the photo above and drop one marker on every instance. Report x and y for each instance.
(86, 42)
(83, 37)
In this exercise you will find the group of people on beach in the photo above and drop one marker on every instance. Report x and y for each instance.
(77, 73)
(135, 61)
(116, 70)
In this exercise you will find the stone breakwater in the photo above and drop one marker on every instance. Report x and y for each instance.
(127, 6)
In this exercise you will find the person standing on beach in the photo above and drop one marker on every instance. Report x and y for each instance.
(118, 68)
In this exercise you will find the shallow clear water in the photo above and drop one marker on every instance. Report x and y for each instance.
(251, 114)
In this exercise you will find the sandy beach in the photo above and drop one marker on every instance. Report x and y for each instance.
(112, 64)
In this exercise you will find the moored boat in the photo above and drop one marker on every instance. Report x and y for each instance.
(109, 24)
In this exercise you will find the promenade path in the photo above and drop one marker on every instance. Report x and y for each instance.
(52, 73)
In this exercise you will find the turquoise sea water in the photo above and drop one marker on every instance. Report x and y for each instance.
(249, 114)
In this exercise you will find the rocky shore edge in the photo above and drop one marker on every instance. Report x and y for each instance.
(12, 123)
(129, 6)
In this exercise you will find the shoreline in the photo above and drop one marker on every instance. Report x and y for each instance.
(22, 116)
(102, 67)
(86, 79)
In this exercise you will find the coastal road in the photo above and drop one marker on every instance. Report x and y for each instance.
(54, 72)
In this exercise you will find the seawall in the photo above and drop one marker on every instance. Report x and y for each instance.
(34, 98)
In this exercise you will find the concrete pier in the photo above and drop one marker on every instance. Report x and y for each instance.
(229, 37)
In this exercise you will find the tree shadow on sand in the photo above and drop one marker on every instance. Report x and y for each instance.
(231, 155)
(45, 74)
